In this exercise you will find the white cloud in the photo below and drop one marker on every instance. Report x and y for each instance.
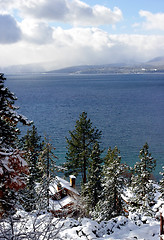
(5, 5)
(10, 32)
(35, 40)
(74, 12)
(42, 9)
(153, 21)
(84, 46)
(36, 32)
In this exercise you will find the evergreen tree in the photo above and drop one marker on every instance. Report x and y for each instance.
(162, 185)
(12, 166)
(91, 190)
(13, 170)
(80, 146)
(48, 167)
(141, 183)
(32, 147)
(111, 203)
(9, 118)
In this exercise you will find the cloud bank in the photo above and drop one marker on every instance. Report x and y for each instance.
(74, 12)
(10, 32)
(153, 21)
(84, 46)
(32, 31)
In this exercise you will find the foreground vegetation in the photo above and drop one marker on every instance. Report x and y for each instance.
(28, 165)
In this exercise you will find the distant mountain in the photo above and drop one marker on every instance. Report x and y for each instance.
(154, 65)
(93, 69)
(158, 61)
(24, 68)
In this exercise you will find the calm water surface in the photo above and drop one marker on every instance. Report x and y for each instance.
(129, 109)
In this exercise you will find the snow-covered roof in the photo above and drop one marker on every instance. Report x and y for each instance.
(58, 204)
(64, 184)
(72, 176)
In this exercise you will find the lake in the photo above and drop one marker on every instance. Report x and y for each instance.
(128, 109)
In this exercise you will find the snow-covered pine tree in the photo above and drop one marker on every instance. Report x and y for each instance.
(13, 170)
(141, 184)
(91, 190)
(32, 146)
(111, 202)
(162, 185)
(80, 146)
(47, 164)
(12, 165)
(9, 117)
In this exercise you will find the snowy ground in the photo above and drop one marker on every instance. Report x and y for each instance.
(118, 228)
(44, 226)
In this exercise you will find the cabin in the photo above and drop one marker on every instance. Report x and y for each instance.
(64, 197)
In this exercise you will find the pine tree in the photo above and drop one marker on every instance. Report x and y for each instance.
(80, 146)
(13, 170)
(12, 166)
(162, 185)
(32, 146)
(48, 168)
(111, 202)
(141, 183)
(91, 190)
(9, 118)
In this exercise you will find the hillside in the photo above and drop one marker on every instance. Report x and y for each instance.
(119, 228)
(43, 225)
(158, 61)
(153, 66)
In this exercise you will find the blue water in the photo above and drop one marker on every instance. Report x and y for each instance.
(128, 109)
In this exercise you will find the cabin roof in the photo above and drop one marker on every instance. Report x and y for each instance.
(59, 204)
(65, 184)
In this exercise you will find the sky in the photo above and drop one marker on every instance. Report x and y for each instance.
(62, 33)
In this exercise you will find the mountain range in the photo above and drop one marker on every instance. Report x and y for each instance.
(155, 65)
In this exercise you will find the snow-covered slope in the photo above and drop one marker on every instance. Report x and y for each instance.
(46, 227)
(43, 225)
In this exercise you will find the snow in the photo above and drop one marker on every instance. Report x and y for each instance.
(5, 163)
(64, 184)
(43, 225)
(162, 210)
(23, 162)
(72, 176)
(1, 171)
(57, 205)
(6, 153)
(71, 229)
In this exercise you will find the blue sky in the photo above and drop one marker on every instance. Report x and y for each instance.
(61, 33)
(130, 11)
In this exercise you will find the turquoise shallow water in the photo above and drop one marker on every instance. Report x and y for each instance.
(129, 109)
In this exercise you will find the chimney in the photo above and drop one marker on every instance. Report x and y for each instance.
(72, 181)
(59, 186)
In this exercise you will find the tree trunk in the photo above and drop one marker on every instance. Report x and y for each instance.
(161, 225)
(84, 169)
(84, 161)
(115, 199)
(48, 174)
